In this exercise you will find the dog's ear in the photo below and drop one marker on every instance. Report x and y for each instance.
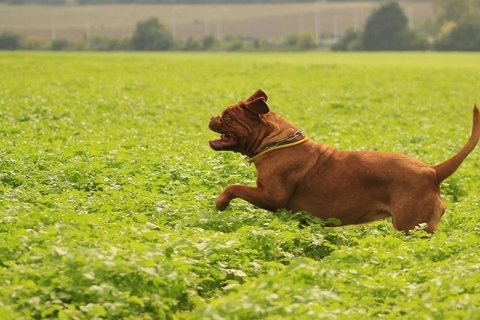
(257, 106)
(258, 94)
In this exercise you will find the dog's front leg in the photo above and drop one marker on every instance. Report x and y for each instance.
(257, 196)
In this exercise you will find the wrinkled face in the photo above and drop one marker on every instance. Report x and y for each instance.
(238, 122)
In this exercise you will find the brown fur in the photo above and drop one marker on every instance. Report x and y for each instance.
(352, 186)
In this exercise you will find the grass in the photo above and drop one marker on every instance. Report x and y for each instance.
(107, 188)
(197, 21)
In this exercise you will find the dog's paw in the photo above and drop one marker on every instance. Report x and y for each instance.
(222, 202)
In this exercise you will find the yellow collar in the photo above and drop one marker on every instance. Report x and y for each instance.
(280, 145)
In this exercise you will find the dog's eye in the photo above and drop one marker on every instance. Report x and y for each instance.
(226, 117)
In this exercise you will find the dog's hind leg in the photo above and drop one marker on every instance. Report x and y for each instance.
(406, 217)
(438, 211)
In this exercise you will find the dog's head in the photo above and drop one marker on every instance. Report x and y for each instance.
(238, 123)
(247, 126)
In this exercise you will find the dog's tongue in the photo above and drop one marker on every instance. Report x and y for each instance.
(224, 140)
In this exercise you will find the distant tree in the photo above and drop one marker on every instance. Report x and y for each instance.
(350, 41)
(104, 43)
(59, 44)
(33, 43)
(210, 43)
(454, 10)
(387, 29)
(234, 43)
(291, 40)
(456, 24)
(151, 35)
(306, 41)
(10, 41)
(303, 41)
(464, 36)
(191, 45)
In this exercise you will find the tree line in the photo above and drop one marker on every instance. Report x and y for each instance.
(457, 27)
(151, 35)
(85, 2)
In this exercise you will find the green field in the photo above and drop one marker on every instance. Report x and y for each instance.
(107, 188)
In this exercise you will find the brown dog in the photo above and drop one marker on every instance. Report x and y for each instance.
(352, 186)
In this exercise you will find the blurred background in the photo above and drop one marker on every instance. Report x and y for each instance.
(236, 25)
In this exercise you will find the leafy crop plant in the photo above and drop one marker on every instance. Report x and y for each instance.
(107, 188)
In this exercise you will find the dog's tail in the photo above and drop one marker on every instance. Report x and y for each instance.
(445, 169)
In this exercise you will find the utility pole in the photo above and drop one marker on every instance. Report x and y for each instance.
(87, 31)
(301, 23)
(173, 18)
(335, 26)
(53, 27)
(317, 27)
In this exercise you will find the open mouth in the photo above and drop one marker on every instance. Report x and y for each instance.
(226, 141)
